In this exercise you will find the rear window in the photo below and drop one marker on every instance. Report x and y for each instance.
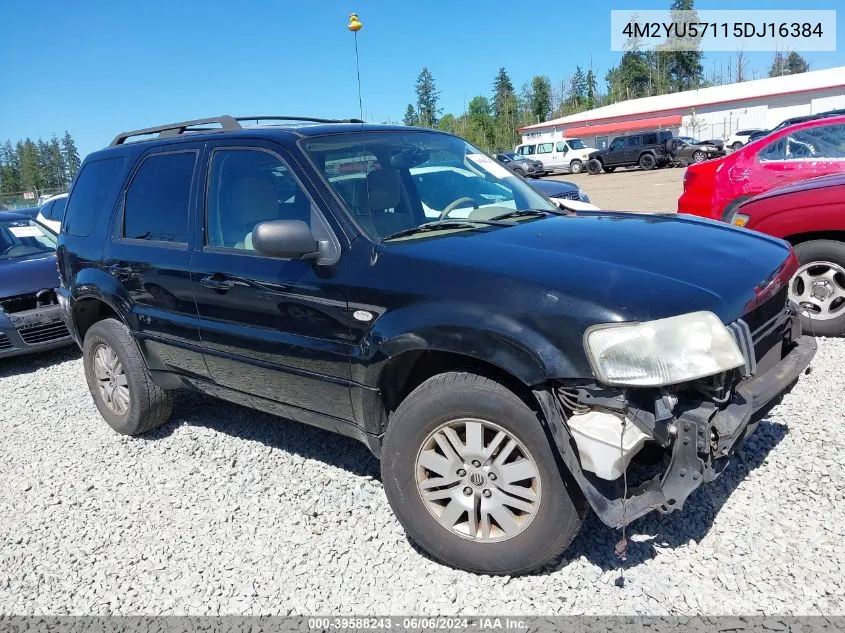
(56, 210)
(95, 188)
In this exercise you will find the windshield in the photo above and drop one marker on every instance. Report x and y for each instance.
(23, 237)
(395, 181)
(576, 143)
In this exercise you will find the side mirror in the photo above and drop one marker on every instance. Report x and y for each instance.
(286, 239)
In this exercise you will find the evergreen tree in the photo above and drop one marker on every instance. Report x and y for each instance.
(427, 95)
(591, 90)
(541, 98)
(10, 173)
(410, 116)
(57, 170)
(504, 111)
(30, 165)
(684, 68)
(796, 64)
(577, 89)
(71, 157)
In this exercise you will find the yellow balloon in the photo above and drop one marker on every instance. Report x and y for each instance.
(354, 24)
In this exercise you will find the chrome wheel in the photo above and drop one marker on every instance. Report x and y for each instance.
(111, 380)
(819, 288)
(478, 480)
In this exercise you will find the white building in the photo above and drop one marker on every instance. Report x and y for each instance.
(707, 113)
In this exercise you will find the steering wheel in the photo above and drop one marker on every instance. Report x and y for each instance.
(454, 205)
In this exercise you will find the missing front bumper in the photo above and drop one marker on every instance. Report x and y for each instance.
(705, 437)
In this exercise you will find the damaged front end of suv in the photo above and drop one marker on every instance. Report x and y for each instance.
(675, 399)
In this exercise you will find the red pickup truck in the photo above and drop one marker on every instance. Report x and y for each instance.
(810, 215)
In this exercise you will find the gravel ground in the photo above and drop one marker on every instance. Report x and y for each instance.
(228, 511)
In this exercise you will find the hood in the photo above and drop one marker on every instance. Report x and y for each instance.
(28, 274)
(625, 267)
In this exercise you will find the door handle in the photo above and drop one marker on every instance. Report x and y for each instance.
(214, 282)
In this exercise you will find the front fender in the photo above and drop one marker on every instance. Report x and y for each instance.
(465, 329)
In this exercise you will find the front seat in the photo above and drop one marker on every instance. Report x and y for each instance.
(253, 199)
(389, 213)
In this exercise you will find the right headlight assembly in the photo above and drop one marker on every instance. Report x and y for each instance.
(662, 352)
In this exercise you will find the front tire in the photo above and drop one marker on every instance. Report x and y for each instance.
(736, 145)
(594, 166)
(518, 172)
(818, 287)
(473, 479)
(699, 157)
(647, 161)
(576, 167)
(118, 379)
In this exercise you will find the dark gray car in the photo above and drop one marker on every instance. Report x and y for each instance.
(521, 165)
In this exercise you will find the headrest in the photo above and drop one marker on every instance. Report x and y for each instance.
(384, 189)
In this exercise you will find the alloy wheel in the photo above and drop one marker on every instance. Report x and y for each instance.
(478, 480)
(111, 379)
(819, 288)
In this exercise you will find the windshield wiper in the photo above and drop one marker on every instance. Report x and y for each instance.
(523, 213)
(444, 224)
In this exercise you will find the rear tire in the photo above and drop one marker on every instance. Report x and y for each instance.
(576, 167)
(528, 537)
(594, 166)
(118, 379)
(647, 161)
(819, 257)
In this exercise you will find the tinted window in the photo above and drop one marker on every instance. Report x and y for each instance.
(545, 148)
(156, 206)
(562, 147)
(95, 188)
(665, 136)
(823, 142)
(633, 141)
(650, 139)
(57, 210)
(617, 144)
(46, 209)
(247, 187)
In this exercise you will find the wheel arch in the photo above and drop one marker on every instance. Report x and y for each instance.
(404, 372)
(799, 238)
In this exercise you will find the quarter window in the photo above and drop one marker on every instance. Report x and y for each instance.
(545, 148)
(96, 185)
(650, 138)
(157, 201)
(247, 187)
(56, 210)
(527, 150)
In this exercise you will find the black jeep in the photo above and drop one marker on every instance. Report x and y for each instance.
(646, 149)
(511, 362)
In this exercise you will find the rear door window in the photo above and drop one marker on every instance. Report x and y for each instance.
(526, 150)
(95, 189)
(633, 141)
(156, 207)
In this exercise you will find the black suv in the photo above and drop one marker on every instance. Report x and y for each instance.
(508, 360)
(647, 149)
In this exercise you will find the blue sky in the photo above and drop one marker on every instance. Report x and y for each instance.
(100, 67)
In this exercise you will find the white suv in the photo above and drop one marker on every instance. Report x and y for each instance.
(566, 155)
(52, 211)
(739, 138)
